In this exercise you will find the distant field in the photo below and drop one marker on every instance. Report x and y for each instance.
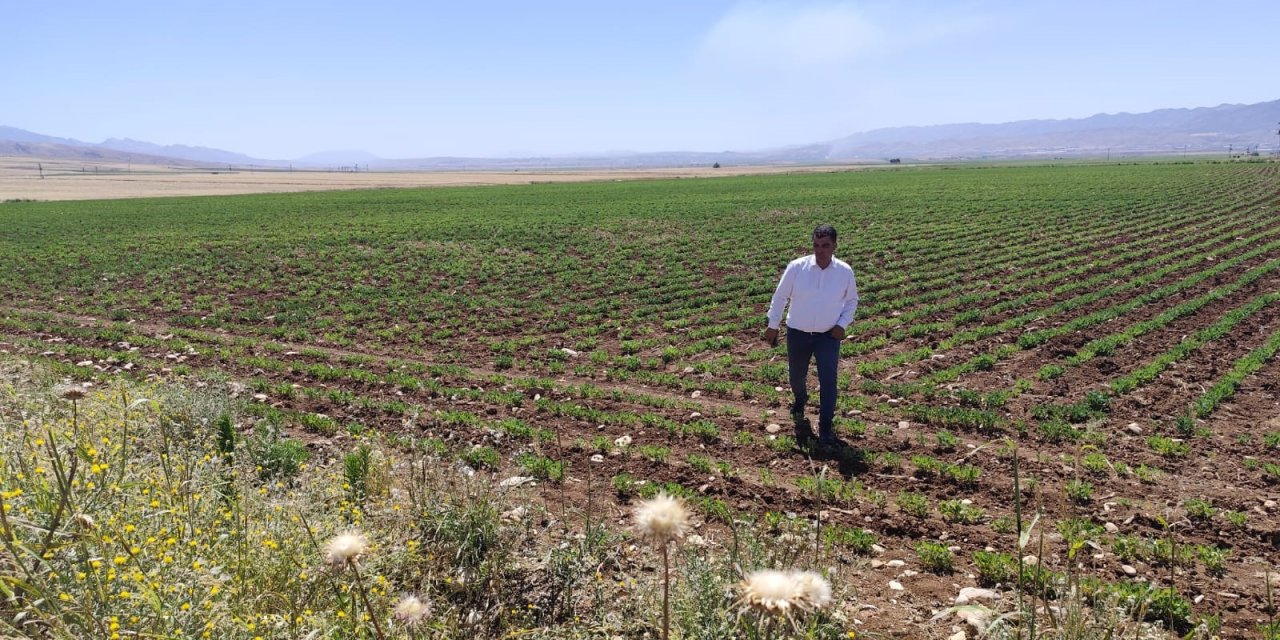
(1114, 325)
(21, 179)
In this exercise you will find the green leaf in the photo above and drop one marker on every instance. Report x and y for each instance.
(1025, 536)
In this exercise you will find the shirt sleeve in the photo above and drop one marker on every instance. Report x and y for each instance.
(781, 295)
(850, 303)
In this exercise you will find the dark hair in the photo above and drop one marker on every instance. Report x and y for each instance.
(825, 231)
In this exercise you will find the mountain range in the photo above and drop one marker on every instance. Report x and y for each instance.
(1237, 128)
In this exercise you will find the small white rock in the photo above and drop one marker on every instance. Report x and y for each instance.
(1111, 527)
(975, 614)
(974, 594)
(773, 427)
(1128, 570)
(894, 564)
(896, 586)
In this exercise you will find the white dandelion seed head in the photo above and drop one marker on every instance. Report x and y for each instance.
(784, 593)
(814, 589)
(73, 393)
(345, 549)
(410, 610)
(770, 591)
(662, 519)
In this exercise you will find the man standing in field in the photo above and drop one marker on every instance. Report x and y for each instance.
(823, 296)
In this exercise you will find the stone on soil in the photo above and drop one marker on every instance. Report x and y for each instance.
(974, 594)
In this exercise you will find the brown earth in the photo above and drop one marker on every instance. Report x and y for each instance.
(1134, 506)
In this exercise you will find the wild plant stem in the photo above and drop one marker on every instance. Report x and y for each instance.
(817, 541)
(365, 597)
(1017, 514)
(64, 484)
(666, 593)
(564, 522)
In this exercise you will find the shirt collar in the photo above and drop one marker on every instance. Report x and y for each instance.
(813, 262)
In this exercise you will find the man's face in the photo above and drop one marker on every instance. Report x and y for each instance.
(823, 249)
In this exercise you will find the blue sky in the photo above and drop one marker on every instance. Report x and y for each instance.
(281, 79)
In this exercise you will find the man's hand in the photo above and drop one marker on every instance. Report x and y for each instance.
(771, 337)
(837, 332)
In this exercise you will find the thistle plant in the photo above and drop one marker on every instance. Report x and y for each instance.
(342, 553)
(411, 610)
(662, 521)
(776, 598)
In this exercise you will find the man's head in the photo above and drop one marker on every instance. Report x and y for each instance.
(824, 244)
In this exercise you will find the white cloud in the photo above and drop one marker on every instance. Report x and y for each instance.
(812, 38)
(785, 37)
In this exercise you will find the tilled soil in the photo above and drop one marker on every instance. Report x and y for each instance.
(1223, 463)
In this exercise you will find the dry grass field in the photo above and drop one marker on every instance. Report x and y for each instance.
(21, 178)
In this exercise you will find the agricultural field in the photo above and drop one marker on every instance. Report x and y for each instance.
(1083, 353)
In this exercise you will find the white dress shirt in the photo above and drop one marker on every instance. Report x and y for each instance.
(820, 298)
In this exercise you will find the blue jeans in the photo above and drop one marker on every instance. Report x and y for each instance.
(802, 347)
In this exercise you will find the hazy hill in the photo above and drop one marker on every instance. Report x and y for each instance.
(1165, 131)
(52, 150)
(196, 154)
(12, 134)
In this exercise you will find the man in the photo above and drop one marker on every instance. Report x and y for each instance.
(823, 296)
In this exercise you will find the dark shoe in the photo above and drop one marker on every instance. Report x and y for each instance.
(804, 433)
(829, 441)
